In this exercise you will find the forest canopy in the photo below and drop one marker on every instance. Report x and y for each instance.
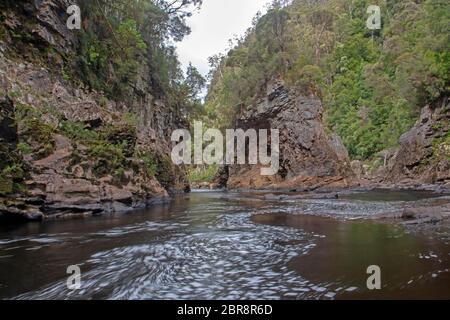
(372, 84)
(125, 41)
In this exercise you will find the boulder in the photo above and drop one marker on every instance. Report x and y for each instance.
(308, 155)
(424, 152)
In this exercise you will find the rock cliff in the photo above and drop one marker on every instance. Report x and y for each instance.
(424, 152)
(309, 157)
(66, 149)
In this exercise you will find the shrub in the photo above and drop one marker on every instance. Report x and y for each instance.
(203, 174)
(109, 157)
(77, 131)
(24, 148)
(150, 163)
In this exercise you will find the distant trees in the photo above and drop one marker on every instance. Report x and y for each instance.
(195, 82)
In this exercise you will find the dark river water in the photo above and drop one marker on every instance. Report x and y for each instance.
(213, 245)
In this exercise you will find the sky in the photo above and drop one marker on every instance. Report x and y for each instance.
(212, 27)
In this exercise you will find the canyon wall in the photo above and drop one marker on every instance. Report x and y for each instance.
(66, 149)
(424, 152)
(309, 156)
(312, 158)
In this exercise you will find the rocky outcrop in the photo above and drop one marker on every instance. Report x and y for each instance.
(68, 179)
(221, 177)
(309, 157)
(424, 152)
(419, 215)
(75, 151)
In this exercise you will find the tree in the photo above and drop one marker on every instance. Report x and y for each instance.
(126, 42)
(372, 85)
(195, 82)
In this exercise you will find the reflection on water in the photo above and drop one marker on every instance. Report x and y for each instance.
(412, 267)
(225, 246)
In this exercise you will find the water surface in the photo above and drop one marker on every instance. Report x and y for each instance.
(229, 246)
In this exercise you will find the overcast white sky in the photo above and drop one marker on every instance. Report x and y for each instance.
(212, 27)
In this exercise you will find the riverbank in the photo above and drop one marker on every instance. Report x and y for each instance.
(433, 203)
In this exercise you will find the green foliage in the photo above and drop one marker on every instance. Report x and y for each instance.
(194, 81)
(35, 131)
(12, 170)
(149, 162)
(441, 146)
(13, 94)
(109, 146)
(77, 131)
(2, 32)
(372, 84)
(125, 47)
(24, 148)
(123, 134)
(124, 52)
(65, 75)
(308, 79)
(165, 171)
(203, 174)
(11, 176)
(156, 165)
(109, 157)
(130, 119)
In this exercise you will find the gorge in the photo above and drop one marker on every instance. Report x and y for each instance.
(87, 177)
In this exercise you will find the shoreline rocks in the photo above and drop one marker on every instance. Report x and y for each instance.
(418, 215)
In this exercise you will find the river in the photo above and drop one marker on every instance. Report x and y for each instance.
(225, 245)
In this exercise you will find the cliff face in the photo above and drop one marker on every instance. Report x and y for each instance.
(309, 157)
(424, 152)
(66, 149)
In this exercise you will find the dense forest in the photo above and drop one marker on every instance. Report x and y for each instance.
(372, 83)
(131, 36)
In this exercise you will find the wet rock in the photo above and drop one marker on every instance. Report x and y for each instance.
(222, 176)
(67, 179)
(18, 210)
(419, 215)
